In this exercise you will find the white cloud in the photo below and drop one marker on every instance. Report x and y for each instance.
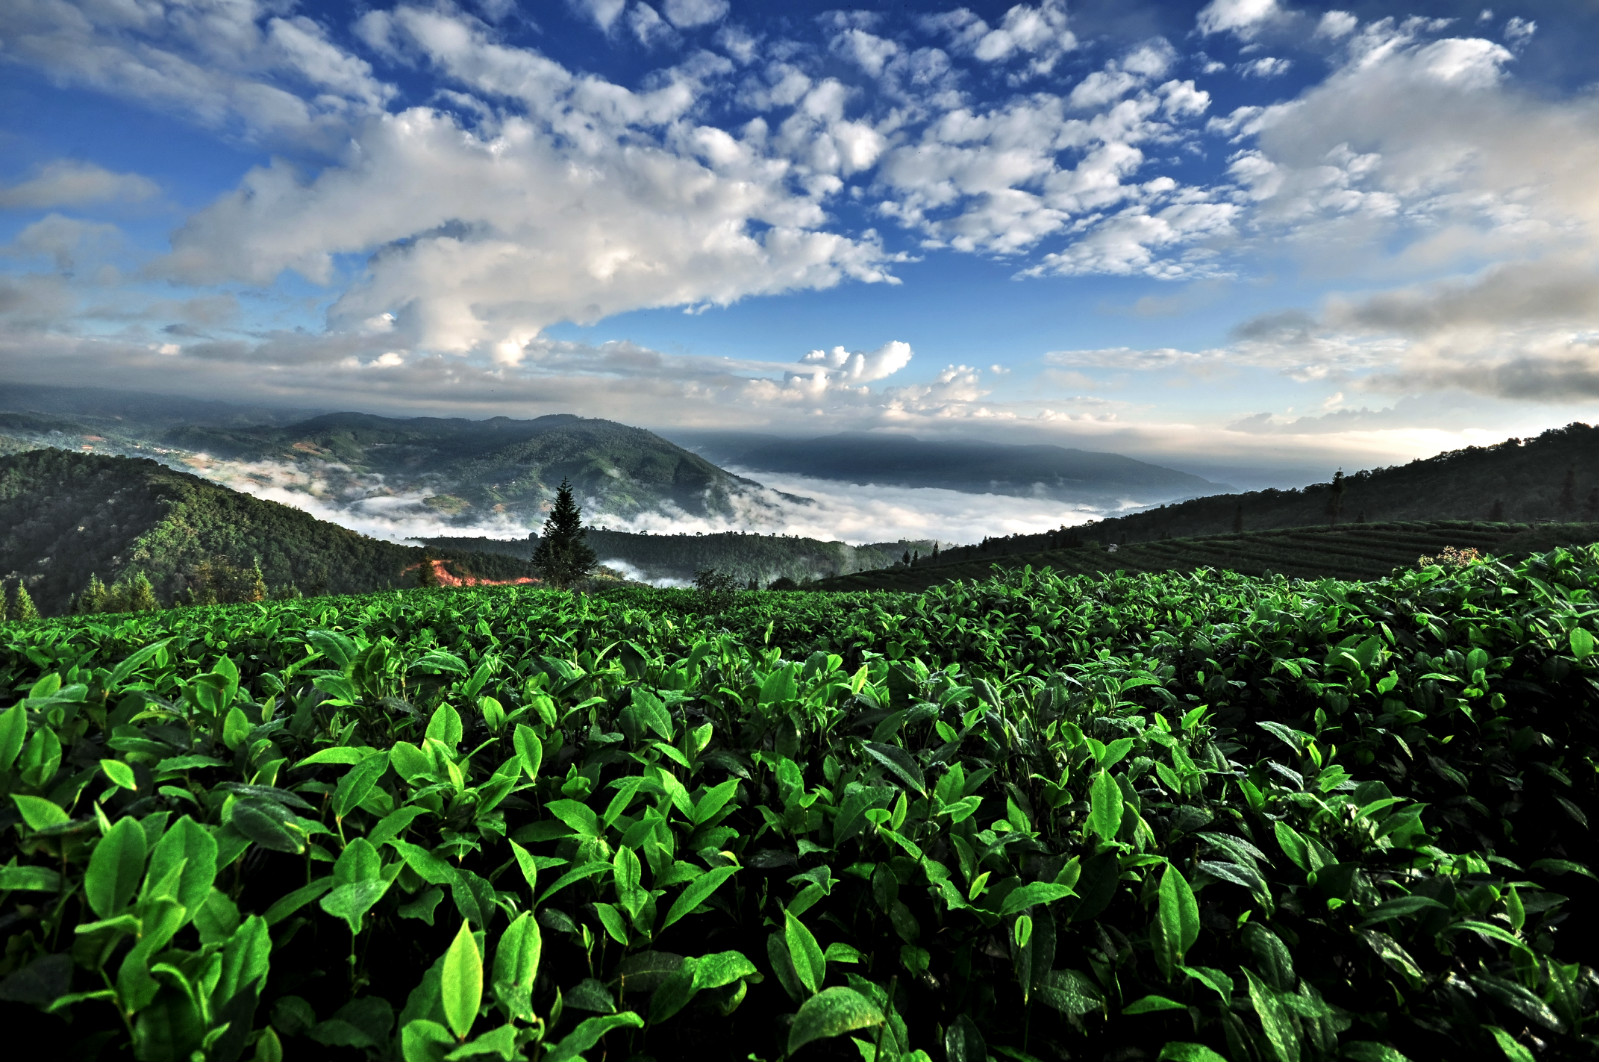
(1041, 34)
(1244, 18)
(70, 183)
(1265, 67)
(686, 14)
(1518, 31)
(223, 65)
(63, 240)
(1336, 25)
(603, 12)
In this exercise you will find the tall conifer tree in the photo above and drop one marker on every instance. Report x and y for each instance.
(562, 556)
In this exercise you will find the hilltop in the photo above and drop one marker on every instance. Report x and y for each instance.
(66, 516)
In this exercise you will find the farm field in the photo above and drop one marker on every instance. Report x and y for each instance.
(1172, 815)
(1349, 551)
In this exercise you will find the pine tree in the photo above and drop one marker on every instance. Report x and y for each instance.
(562, 557)
(935, 550)
(1496, 512)
(426, 573)
(1335, 497)
(1238, 519)
(22, 609)
(256, 590)
(1590, 508)
(93, 598)
(141, 595)
(1568, 491)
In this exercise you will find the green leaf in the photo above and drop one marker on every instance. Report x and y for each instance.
(516, 965)
(338, 754)
(29, 879)
(1182, 1051)
(39, 813)
(191, 845)
(123, 671)
(698, 891)
(501, 1041)
(115, 867)
(445, 726)
(1370, 1051)
(588, 1034)
(1105, 807)
(1151, 1004)
(1037, 892)
(287, 905)
(713, 801)
(352, 901)
(1071, 992)
(1275, 1019)
(1514, 1051)
(1179, 912)
(779, 686)
(422, 1040)
(358, 783)
(1581, 648)
(461, 983)
(809, 963)
(1293, 845)
(13, 731)
(722, 968)
(832, 1012)
(529, 750)
(1400, 906)
(963, 1042)
(579, 816)
(119, 773)
(900, 762)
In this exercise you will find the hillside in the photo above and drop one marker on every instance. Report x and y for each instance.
(66, 516)
(1351, 551)
(471, 473)
(971, 466)
(763, 558)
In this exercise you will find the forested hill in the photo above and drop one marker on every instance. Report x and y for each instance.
(66, 516)
(1552, 477)
(743, 555)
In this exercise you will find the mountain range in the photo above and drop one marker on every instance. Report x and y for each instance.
(977, 467)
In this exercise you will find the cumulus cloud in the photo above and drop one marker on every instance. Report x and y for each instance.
(861, 366)
(238, 67)
(72, 183)
(685, 14)
(1243, 18)
(1039, 34)
(63, 240)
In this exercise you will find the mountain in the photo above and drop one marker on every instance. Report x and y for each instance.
(471, 473)
(746, 556)
(66, 516)
(1552, 477)
(1037, 470)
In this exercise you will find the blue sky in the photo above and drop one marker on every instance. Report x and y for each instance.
(1240, 231)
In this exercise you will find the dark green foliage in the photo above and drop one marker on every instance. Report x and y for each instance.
(21, 608)
(1137, 816)
(562, 556)
(66, 517)
(1350, 551)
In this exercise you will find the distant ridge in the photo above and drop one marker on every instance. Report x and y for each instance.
(1025, 470)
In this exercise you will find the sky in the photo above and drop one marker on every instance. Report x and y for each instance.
(1227, 232)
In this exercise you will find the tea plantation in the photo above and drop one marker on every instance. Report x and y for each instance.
(1161, 816)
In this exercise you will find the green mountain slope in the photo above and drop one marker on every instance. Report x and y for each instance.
(66, 516)
(1552, 477)
(471, 473)
(1351, 551)
(763, 558)
(467, 470)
